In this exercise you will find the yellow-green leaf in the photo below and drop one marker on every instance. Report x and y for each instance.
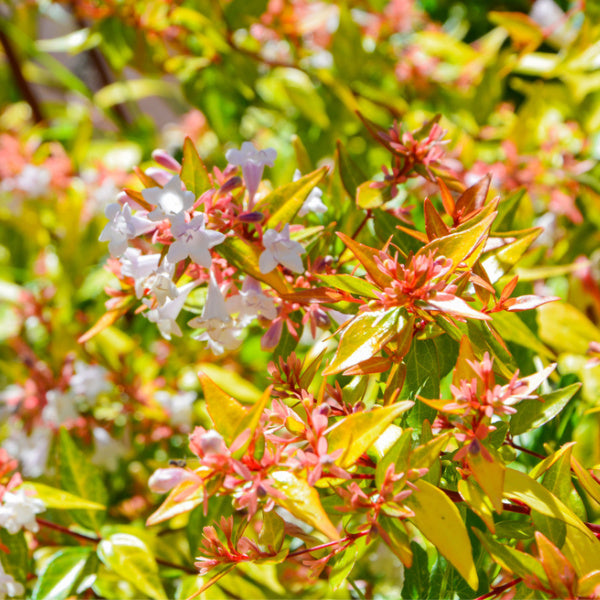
(356, 433)
(490, 477)
(181, 499)
(55, 498)
(302, 500)
(479, 503)
(193, 172)
(438, 519)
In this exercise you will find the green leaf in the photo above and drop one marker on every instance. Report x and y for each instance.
(193, 172)
(250, 421)
(477, 501)
(588, 483)
(500, 260)
(182, 498)
(366, 335)
(514, 561)
(16, 562)
(416, 579)
(356, 433)
(302, 500)
(59, 499)
(396, 455)
(61, 574)
(344, 563)
(272, 532)
(78, 476)
(438, 519)
(131, 559)
(532, 414)
(350, 173)
(285, 201)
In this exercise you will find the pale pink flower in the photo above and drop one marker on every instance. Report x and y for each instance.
(280, 249)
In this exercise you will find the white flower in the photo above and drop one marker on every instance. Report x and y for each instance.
(18, 510)
(313, 202)
(89, 380)
(279, 249)
(251, 303)
(60, 408)
(31, 451)
(179, 406)
(221, 332)
(107, 451)
(193, 240)
(253, 163)
(8, 586)
(165, 316)
(171, 201)
(123, 226)
(149, 274)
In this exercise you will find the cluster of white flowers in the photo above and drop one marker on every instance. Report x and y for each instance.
(178, 406)
(18, 511)
(153, 274)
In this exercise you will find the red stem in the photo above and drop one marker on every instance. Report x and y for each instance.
(501, 588)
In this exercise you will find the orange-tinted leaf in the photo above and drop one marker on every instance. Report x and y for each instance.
(365, 255)
(473, 198)
(434, 225)
(560, 572)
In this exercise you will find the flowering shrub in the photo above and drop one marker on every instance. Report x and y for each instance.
(357, 363)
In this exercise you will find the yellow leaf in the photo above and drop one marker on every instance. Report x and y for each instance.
(490, 476)
(182, 498)
(479, 503)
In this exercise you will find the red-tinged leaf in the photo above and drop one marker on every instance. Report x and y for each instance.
(182, 499)
(377, 364)
(316, 295)
(461, 245)
(434, 225)
(193, 171)
(447, 199)
(145, 179)
(529, 302)
(302, 500)
(560, 572)
(137, 197)
(106, 320)
(366, 256)
(418, 235)
(356, 433)
(442, 405)
(350, 283)
(454, 306)
(489, 476)
(225, 412)
(472, 199)
(438, 519)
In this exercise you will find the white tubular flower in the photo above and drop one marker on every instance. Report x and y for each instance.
(194, 240)
(123, 226)
(179, 406)
(313, 203)
(149, 274)
(221, 332)
(60, 408)
(253, 163)
(8, 586)
(279, 249)
(171, 201)
(18, 510)
(251, 303)
(165, 316)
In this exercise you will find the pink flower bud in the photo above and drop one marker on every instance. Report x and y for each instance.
(161, 176)
(164, 480)
(213, 443)
(164, 159)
